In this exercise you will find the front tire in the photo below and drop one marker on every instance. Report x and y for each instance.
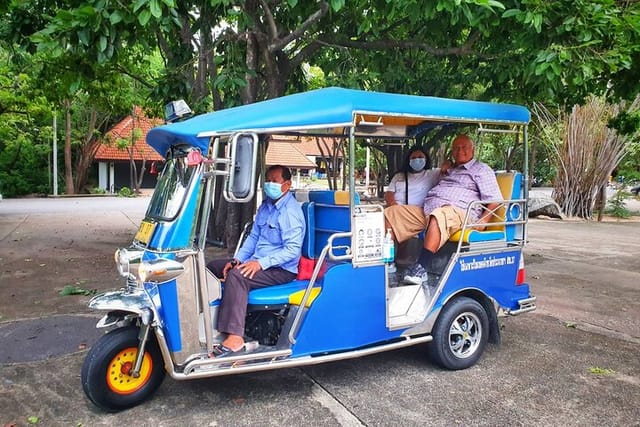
(460, 334)
(105, 373)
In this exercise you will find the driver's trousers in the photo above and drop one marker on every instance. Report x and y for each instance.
(233, 308)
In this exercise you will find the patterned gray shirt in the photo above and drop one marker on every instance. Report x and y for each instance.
(462, 185)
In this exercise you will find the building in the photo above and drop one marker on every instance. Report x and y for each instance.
(302, 156)
(114, 161)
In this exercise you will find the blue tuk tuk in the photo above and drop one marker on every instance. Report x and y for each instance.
(164, 319)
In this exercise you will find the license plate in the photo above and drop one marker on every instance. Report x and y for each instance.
(145, 231)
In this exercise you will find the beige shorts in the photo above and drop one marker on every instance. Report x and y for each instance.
(408, 221)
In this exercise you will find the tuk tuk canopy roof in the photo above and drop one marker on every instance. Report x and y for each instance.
(330, 110)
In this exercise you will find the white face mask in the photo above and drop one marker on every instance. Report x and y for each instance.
(418, 163)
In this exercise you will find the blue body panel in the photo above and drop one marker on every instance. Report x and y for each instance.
(494, 275)
(165, 298)
(323, 108)
(350, 312)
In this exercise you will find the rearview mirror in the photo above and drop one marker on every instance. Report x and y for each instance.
(242, 171)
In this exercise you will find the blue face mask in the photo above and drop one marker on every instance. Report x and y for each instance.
(418, 163)
(273, 190)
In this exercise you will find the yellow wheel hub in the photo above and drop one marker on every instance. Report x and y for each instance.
(119, 378)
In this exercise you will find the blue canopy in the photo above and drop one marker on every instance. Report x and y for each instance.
(330, 108)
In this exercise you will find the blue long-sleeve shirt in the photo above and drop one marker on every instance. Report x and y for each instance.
(276, 236)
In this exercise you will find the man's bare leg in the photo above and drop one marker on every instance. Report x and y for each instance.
(432, 236)
(431, 244)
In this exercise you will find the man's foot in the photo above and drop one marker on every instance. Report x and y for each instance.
(220, 350)
(231, 345)
(416, 274)
(233, 342)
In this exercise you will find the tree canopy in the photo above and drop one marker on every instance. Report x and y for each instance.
(108, 56)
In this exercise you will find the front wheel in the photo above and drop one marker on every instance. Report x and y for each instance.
(106, 377)
(460, 334)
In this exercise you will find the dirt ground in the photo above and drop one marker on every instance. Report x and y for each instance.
(48, 252)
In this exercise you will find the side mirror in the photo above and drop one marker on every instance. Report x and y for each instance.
(242, 171)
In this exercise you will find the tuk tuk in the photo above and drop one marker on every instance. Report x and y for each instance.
(164, 319)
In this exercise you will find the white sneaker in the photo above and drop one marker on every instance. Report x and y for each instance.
(416, 274)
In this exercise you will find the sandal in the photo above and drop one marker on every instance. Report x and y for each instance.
(220, 350)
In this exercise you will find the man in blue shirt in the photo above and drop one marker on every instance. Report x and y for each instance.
(269, 256)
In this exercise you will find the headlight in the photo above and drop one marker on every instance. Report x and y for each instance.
(127, 261)
(159, 270)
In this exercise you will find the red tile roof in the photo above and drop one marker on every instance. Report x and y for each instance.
(284, 150)
(309, 144)
(123, 130)
(287, 154)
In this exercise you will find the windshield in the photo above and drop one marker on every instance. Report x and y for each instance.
(171, 188)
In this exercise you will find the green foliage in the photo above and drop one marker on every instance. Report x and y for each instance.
(126, 192)
(617, 205)
(626, 122)
(76, 290)
(97, 190)
(597, 370)
(25, 131)
(114, 55)
(629, 167)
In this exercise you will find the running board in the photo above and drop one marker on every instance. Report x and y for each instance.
(526, 305)
(262, 361)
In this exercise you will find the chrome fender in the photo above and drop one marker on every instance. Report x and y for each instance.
(137, 302)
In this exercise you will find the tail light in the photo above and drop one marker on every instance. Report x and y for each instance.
(520, 277)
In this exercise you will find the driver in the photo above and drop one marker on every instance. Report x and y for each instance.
(269, 256)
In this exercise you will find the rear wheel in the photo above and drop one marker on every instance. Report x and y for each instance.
(106, 377)
(460, 334)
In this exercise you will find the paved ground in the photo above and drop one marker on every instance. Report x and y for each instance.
(572, 362)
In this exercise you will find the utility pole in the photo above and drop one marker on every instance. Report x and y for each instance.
(55, 154)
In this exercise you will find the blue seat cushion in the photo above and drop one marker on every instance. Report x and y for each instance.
(277, 294)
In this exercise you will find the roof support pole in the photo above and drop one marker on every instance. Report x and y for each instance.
(352, 168)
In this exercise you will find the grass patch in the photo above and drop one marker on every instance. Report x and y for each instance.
(596, 370)
(76, 290)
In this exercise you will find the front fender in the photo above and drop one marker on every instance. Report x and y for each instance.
(137, 302)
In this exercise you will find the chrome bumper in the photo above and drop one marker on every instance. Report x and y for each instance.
(525, 305)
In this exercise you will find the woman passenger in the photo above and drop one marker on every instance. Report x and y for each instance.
(410, 185)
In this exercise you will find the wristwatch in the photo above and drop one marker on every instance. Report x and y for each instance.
(234, 262)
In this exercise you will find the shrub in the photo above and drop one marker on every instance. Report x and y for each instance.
(97, 190)
(125, 192)
(617, 205)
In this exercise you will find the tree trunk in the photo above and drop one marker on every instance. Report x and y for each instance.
(86, 153)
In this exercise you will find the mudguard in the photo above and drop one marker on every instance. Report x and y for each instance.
(137, 302)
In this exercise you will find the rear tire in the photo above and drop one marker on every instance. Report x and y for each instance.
(460, 334)
(105, 373)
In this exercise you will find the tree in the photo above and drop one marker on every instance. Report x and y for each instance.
(587, 151)
(220, 53)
